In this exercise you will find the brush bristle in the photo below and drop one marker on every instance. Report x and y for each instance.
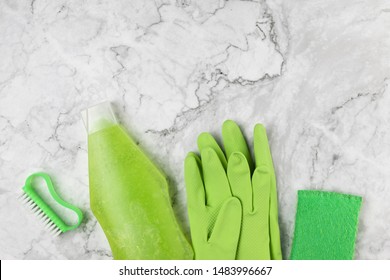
(34, 208)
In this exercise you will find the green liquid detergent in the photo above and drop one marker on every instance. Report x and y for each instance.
(129, 195)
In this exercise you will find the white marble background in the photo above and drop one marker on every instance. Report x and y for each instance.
(316, 73)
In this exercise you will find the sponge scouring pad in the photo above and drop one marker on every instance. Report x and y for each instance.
(325, 226)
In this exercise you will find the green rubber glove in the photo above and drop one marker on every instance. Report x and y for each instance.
(254, 186)
(214, 214)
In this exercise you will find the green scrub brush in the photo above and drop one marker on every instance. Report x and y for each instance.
(52, 220)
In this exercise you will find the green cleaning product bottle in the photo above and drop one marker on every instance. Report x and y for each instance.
(129, 194)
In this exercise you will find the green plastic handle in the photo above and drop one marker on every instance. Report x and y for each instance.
(53, 216)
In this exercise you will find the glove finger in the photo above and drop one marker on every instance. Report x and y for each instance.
(226, 231)
(239, 176)
(263, 158)
(194, 182)
(261, 182)
(206, 140)
(215, 179)
(196, 202)
(261, 147)
(234, 141)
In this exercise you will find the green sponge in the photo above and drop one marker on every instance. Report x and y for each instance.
(325, 226)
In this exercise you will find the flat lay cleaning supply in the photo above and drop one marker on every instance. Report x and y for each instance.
(54, 223)
(253, 184)
(129, 194)
(325, 226)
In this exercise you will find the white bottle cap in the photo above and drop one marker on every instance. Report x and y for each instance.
(98, 117)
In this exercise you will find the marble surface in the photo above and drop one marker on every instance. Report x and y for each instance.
(315, 73)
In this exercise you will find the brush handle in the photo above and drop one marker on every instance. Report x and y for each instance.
(54, 217)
